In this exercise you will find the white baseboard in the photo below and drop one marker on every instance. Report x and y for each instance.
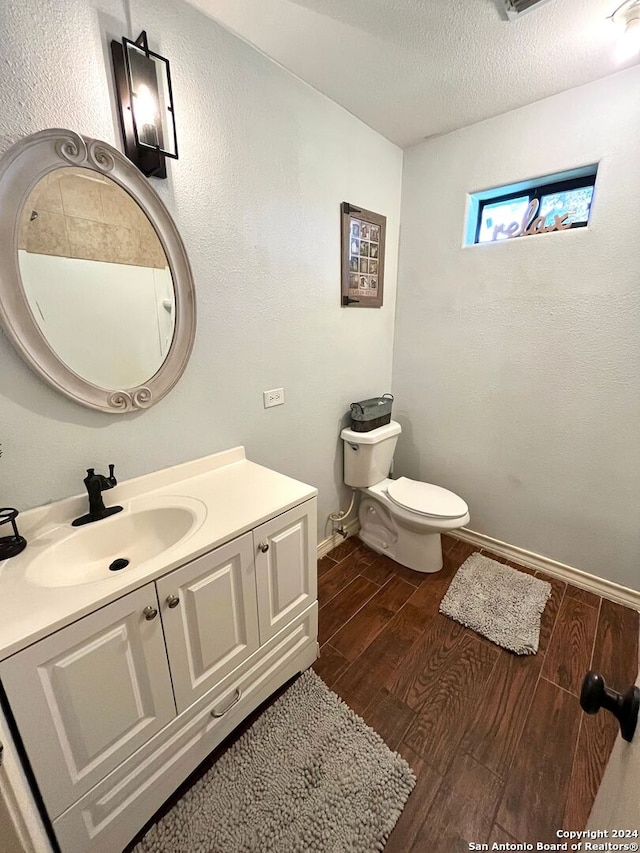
(592, 583)
(329, 544)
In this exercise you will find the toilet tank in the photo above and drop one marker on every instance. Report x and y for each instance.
(368, 455)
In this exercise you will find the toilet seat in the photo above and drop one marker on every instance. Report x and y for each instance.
(425, 499)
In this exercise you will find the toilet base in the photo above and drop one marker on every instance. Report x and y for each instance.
(417, 549)
(421, 562)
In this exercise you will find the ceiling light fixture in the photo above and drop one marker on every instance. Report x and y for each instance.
(515, 8)
(627, 18)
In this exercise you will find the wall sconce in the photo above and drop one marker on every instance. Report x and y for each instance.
(145, 105)
(627, 18)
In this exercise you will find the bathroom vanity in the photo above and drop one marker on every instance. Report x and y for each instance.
(120, 682)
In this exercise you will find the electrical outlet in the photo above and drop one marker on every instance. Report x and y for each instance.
(273, 398)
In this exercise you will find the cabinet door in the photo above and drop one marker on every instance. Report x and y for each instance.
(286, 567)
(210, 618)
(88, 696)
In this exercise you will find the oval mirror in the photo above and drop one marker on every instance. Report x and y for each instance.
(97, 293)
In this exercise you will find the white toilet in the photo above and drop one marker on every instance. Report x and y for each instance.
(400, 518)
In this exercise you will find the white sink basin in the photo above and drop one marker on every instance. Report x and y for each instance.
(70, 556)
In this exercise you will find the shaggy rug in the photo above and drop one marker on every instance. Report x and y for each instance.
(309, 775)
(499, 602)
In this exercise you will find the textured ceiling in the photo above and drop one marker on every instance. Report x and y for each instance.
(417, 68)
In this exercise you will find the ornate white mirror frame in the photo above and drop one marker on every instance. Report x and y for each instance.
(21, 168)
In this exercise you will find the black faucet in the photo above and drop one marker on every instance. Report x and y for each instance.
(95, 484)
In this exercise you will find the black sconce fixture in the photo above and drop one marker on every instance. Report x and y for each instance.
(145, 102)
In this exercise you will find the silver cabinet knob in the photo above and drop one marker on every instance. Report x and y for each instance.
(150, 613)
(172, 601)
(264, 547)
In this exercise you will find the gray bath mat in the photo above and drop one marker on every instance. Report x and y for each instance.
(498, 602)
(308, 775)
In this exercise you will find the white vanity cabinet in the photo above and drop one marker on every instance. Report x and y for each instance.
(88, 696)
(209, 613)
(286, 567)
(116, 709)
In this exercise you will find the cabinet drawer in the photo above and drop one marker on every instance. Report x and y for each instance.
(87, 697)
(111, 814)
(209, 612)
(286, 567)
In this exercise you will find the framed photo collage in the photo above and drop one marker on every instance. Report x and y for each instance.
(363, 241)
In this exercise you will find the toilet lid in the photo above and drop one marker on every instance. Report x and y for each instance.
(426, 499)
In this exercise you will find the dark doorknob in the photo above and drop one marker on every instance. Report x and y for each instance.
(624, 706)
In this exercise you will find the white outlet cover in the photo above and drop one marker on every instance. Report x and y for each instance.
(275, 397)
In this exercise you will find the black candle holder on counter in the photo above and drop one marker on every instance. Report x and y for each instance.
(10, 545)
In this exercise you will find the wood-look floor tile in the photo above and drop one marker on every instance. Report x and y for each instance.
(463, 809)
(499, 836)
(431, 591)
(360, 631)
(342, 607)
(597, 736)
(415, 811)
(410, 576)
(324, 565)
(455, 556)
(344, 549)
(615, 655)
(427, 597)
(432, 659)
(388, 716)
(493, 734)
(550, 614)
(330, 665)
(416, 762)
(409, 623)
(394, 594)
(569, 653)
(538, 782)
(441, 679)
(361, 557)
(583, 595)
(381, 659)
(447, 542)
(354, 637)
(549, 784)
(380, 570)
(335, 577)
(332, 581)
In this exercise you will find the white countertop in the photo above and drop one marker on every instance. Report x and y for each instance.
(236, 495)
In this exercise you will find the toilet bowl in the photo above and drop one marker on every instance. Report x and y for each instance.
(401, 518)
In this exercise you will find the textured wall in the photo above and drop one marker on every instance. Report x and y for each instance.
(264, 163)
(517, 364)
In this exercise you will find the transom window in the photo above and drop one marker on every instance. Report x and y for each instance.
(553, 203)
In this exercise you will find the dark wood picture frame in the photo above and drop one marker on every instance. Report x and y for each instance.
(363, 245)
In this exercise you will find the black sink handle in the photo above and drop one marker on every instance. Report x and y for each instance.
(624, 706)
